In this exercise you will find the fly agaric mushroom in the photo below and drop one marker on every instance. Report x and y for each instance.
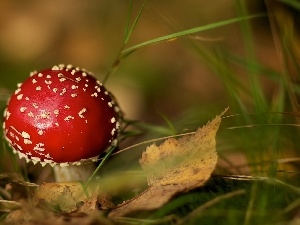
(63, 117)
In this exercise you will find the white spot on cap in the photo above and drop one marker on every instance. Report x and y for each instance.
(56, 112)
(19, 85)
(55, 68)
(68, 118)
(25, 135)
(81, 112)
(74, 87)
(35, 160)
(7, 114)
(73, 95)
(43, 163)
(48, 81)
(94, 94)
(110, 104)
(64, 90)
(48, 76)
(34, 81)
(27, 142)
(17, 91)
(113, 120)
(5, 111)
(67, 107)
(73, 72)
(40, 75)
(32, 73)
(20, 96)
(22, 109)
(54, 90)
(48, 156)
(113, 131)
(40, 132)
(84, 74)
(78, 78)
(30, 114)
(35, 105)
(38, 88)
(44, 114)
(69, 66)
(39, 147)
(20, 148)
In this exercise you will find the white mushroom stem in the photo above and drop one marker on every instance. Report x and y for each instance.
(74, 172)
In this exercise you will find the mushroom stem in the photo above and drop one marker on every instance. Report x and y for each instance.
(74, 172)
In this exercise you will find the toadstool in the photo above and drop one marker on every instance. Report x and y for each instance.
(61, 116)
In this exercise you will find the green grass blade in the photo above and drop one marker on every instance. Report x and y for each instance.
(172, 36)
(103, 161)
(247, 38)
(128, 34)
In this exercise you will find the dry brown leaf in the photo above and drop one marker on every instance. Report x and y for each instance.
(174, 167)
(69, 197)
(7, 206)
(35, 216)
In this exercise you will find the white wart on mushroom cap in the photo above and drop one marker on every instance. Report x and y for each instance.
(61, 115)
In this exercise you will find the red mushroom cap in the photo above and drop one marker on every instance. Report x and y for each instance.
(61, 115)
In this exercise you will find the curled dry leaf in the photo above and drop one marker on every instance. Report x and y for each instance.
(70, 197)
(174, 167)
(7, 206)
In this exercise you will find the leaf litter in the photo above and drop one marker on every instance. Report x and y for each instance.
(176, 166)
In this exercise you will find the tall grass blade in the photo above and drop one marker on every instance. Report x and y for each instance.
(173, 36)
(128, 33)
(257, 94)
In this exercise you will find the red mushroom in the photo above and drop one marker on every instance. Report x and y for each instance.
(61, 116)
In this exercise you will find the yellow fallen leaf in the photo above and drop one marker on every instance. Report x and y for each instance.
(174, 167)
(70, 197)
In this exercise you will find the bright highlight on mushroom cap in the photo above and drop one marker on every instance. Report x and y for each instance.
(61, 116)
